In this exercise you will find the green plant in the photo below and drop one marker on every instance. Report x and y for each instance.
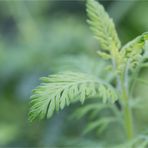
(60, 90)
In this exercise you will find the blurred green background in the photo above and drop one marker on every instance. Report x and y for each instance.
(38, 38)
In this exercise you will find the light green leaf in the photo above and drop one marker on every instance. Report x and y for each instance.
(104, 55)
(134, 50)
(58, 91)
(102, 26)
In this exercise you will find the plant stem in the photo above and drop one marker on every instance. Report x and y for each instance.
(122, 85)
(127, 112)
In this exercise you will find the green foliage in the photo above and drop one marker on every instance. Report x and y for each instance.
(100, 124)
(40, 38)
(96, 119)
(134, 51)
(141, 140)
(93, 108)
(102, 26)
(58, 91)
(63, 89)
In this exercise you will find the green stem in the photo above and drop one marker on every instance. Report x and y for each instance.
(122, 82)
(127, 113)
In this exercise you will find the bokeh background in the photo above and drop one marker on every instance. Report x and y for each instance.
(41, 37)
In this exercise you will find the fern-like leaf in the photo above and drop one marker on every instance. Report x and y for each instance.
(102, 26)
(100, 124)
(90, 108)
(134, 50)
(58, 91)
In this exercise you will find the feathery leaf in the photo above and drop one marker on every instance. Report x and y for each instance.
(101, 124)
(102, 26)
(90, 108)
(134, 50)
(58, 91)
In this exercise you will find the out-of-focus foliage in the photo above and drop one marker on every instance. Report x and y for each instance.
(35, 38)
